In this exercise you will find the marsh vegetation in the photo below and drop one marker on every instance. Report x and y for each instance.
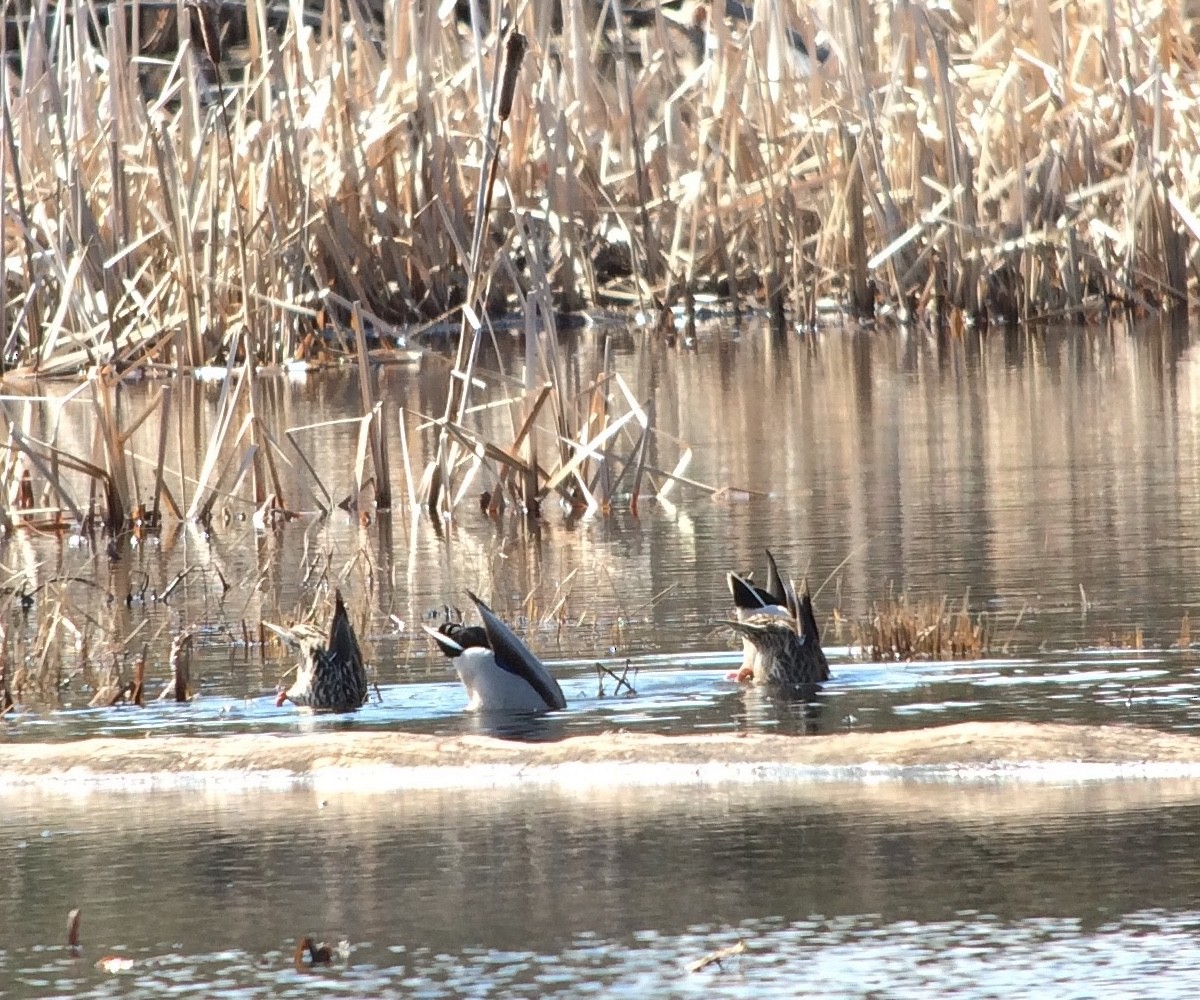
(186, 193)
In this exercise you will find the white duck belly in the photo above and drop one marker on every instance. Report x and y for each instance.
(491, 688)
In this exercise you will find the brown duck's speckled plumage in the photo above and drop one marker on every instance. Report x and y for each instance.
(789, 656)
(331, 677)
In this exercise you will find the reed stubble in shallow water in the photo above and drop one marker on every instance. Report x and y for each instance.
(901, 628)
(1003, 160)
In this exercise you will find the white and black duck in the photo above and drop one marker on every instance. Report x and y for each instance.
(497, 669)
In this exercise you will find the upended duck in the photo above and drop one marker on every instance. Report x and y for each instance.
(497, 669)
(781, 641)
(750, 601)
(331, 676)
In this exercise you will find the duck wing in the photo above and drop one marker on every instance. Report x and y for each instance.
(810, 635)
(776, 590)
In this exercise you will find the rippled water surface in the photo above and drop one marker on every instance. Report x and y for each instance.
(1050, 481)
(836, 890)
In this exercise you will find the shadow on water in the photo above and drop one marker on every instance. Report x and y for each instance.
(529, 727)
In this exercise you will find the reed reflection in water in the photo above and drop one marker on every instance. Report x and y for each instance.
(1050, 478)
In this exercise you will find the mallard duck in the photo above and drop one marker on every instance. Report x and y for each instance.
(330, 677)
(787, 662)
(693, 19)
(750, 601)
(318, 954)
(497, 669)
(782, 643)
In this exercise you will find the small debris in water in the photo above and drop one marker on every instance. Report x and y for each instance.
(622, 680)
(114, 963)
(73, 931)
(717, 957)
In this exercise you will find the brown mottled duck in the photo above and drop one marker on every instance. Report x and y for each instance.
(783, 644)
(331, 676)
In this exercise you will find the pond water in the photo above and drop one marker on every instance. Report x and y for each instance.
(1051, 480)
(957, 890)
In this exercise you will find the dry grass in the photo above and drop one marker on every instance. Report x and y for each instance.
(901, 629)
(1022, 159)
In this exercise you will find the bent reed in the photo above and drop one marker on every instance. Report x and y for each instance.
(177, 195)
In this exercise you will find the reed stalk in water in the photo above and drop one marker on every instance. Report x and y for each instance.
(898, 628)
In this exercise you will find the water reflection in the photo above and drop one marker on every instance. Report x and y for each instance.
(1049, 478)
(966, 890)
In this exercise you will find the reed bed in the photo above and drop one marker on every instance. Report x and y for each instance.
(225, 182)
(898, 628)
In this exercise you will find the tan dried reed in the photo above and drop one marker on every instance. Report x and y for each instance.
(902, 629)
(1013, 160)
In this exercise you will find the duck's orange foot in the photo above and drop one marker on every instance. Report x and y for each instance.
(280, 698)
(743, 676)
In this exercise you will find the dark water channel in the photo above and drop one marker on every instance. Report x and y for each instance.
(1051, 480)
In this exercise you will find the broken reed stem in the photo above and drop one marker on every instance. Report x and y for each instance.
(718, 956)
(6, 698)
(73, 920)
(621, 679)
(862, 299)
(373, 415)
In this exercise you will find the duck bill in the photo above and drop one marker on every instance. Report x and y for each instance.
(447, 645)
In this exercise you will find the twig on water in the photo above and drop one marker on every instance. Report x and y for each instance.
(73, 931)
(718, 957)
(6, 698)
(622, 680)
(179, 687)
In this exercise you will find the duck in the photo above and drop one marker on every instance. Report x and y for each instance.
(318, 954)
(331, 676)
(693, 18)
(497, 669)
(750, 601)
(782, 642)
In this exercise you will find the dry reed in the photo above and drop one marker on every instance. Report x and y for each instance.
(1011, 160)
(901, 629)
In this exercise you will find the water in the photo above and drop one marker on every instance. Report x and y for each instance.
(1051, 480)
(1047, 480)
(837, 890)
